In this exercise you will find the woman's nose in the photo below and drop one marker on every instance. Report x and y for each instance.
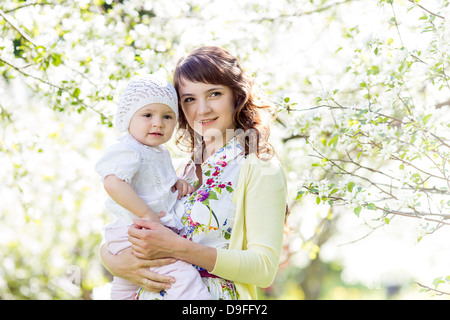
(204, 107)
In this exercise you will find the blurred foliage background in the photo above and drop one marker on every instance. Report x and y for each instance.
(362, 90)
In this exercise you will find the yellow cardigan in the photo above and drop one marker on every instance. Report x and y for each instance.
(255, 245)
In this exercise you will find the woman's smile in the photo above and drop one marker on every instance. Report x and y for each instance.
(207, 122)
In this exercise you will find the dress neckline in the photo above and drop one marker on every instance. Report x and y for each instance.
(231, 150)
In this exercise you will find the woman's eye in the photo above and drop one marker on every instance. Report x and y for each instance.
(215, 94)
(188, 100)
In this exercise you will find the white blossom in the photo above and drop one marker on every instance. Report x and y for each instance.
(387, 149)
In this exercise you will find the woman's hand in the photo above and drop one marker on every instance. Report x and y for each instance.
(152, 240)
(127, 266)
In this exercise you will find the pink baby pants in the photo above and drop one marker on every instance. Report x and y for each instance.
(188, 283)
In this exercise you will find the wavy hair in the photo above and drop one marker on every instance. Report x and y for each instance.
(214, 65)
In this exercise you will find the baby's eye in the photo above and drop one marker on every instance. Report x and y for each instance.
(168, 117)
(147, 115)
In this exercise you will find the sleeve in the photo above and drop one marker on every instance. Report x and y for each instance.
(264, 208)
(119, 160)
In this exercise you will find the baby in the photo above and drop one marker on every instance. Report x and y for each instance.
(139, 177)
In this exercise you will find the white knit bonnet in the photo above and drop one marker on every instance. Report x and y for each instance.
(141, 91)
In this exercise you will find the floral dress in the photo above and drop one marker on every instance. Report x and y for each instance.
(209, 211)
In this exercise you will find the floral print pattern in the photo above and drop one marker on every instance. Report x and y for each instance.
(217, 182)
(209, 211)
(141, 294)
(221, 289)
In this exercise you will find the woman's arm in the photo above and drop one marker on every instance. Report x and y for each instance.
(153, 240)
(129, 267)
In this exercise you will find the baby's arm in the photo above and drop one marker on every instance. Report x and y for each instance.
(183, 188)
(124, 195)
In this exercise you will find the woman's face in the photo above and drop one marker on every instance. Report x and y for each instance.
(208, 109)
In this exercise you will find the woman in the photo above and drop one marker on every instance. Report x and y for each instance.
(234, 220)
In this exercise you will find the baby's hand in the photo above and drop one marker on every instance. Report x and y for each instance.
(153, 217)
(183, 188)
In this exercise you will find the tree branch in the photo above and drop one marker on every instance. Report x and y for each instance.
(303, 13)
(424, 9)
(16, 27)
(438, 292)
(29, 5)
(76, 98)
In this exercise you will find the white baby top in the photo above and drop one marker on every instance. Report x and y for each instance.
(149, 171)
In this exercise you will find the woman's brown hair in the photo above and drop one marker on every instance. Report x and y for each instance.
(214, 65)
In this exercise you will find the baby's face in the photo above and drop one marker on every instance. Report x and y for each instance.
(153, 124)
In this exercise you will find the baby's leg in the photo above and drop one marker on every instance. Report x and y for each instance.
(117, 241)
(122, 289)
(188, 283)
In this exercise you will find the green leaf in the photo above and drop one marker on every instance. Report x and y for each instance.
(300, 195)
(212, 195)
(334, 141)
(426, 118)
(438, 281)
(334, 191)
(357, 210)
(373, 70)
(350, 186)
(76, 92)
(371, 206)
(56, 59)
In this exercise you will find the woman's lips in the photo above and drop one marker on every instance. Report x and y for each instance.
(207, 122)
